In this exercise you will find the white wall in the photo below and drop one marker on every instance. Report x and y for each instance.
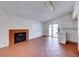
(10, 22)
(78, 32)
(76, 16)
(64, 22)
(75, 10)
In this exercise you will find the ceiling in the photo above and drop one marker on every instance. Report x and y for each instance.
(36, 10)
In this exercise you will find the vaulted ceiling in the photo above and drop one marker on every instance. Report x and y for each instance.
(36, 10)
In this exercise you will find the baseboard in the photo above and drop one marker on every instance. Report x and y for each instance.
(72, 42)
(36, 37)
(40, 37)
(45, 36)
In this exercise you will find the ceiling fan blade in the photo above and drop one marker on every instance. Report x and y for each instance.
(44, 2)
(51, 4)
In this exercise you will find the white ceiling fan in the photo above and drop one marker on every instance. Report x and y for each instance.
(51, 4)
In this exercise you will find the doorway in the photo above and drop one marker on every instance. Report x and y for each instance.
(53, 30)
(50, 30)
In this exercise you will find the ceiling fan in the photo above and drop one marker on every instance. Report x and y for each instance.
(51, 4)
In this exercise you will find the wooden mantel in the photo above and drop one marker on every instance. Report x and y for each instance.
(11, 35)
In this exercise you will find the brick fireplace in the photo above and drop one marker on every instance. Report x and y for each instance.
(18, 35)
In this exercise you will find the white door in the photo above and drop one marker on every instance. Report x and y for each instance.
(50, 29)
(55, 30)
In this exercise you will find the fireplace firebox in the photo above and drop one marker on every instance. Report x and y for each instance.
(19, 37)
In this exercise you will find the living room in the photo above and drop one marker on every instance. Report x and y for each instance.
(25, 29)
